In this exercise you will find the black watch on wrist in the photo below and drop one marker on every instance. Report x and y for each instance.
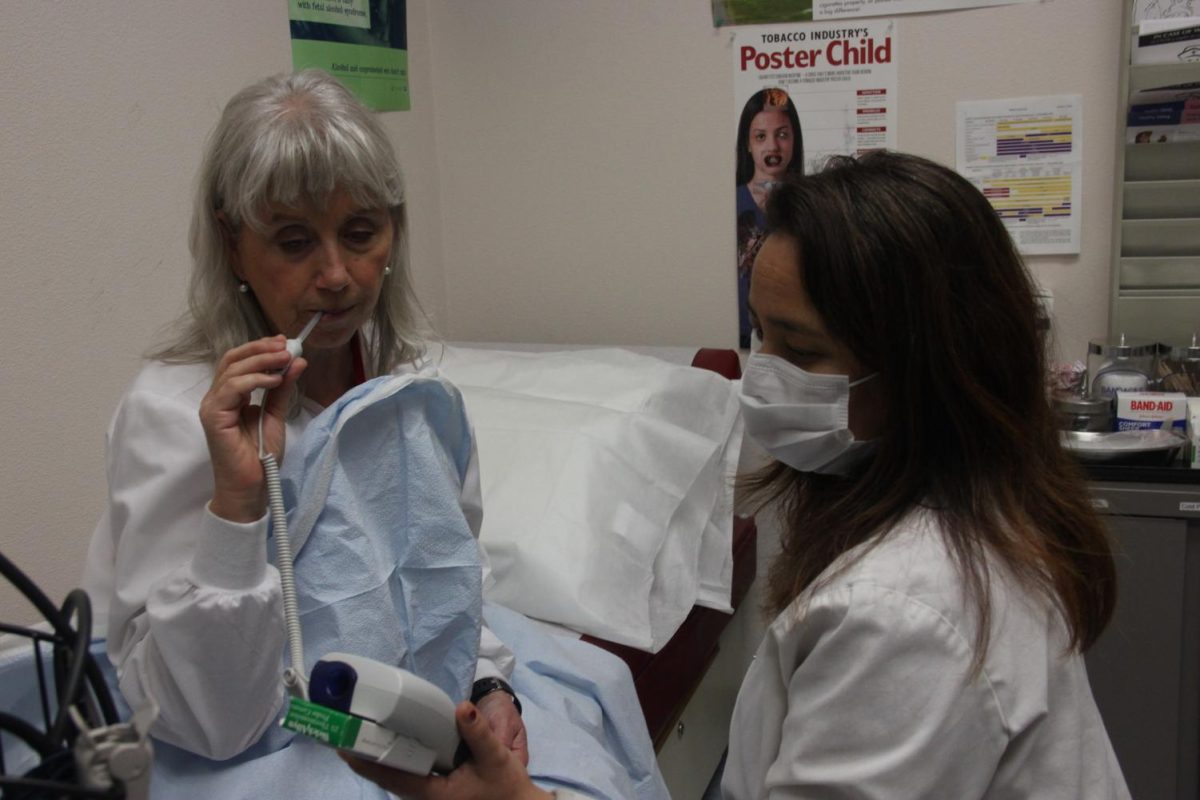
(485, 686)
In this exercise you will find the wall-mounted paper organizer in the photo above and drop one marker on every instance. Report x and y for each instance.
(1156, 225)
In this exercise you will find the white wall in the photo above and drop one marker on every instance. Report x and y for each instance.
(569, 166)
(586, 156)
(105, 106)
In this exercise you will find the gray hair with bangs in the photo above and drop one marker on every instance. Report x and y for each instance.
(291, 139)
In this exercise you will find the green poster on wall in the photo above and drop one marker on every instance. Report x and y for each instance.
(364, 43)
(757, 12)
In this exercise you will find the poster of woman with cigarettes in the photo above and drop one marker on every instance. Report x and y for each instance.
(803, 93)
(769, 145)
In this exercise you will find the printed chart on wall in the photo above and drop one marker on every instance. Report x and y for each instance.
(1024, 155)
(803, 93)
(758, 12)
(364, 43)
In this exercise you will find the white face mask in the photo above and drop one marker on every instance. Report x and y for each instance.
(799, 417)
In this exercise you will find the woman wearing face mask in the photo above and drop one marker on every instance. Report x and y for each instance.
(941, 570)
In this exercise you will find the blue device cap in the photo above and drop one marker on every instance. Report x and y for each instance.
(332, 685)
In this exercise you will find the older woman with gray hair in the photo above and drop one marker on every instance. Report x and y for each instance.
(299, 216)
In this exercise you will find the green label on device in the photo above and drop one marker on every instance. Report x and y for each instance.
(326, 725)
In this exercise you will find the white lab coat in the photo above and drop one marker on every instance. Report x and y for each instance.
(866, 693)
(190, 605)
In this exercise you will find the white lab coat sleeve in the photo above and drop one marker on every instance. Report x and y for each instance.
(496, 660)
(195, 611)
(879, 703)
(209, 645)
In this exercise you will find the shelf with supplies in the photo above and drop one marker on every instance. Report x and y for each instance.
(1156, 221)
(1153, 510)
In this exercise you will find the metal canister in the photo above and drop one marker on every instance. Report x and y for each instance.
(1075, 413)
(1120, 365)
(1179, 368)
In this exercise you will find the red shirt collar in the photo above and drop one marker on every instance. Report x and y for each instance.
(360, 370)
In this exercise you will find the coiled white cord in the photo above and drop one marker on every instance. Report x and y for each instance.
(294, 676)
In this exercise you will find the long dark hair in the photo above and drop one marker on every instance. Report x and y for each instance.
(910, 268)
(775, 99)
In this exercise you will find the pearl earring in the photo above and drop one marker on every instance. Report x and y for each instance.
(243, 287)
(387, 270)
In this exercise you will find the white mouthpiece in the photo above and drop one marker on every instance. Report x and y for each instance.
(295, 347)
